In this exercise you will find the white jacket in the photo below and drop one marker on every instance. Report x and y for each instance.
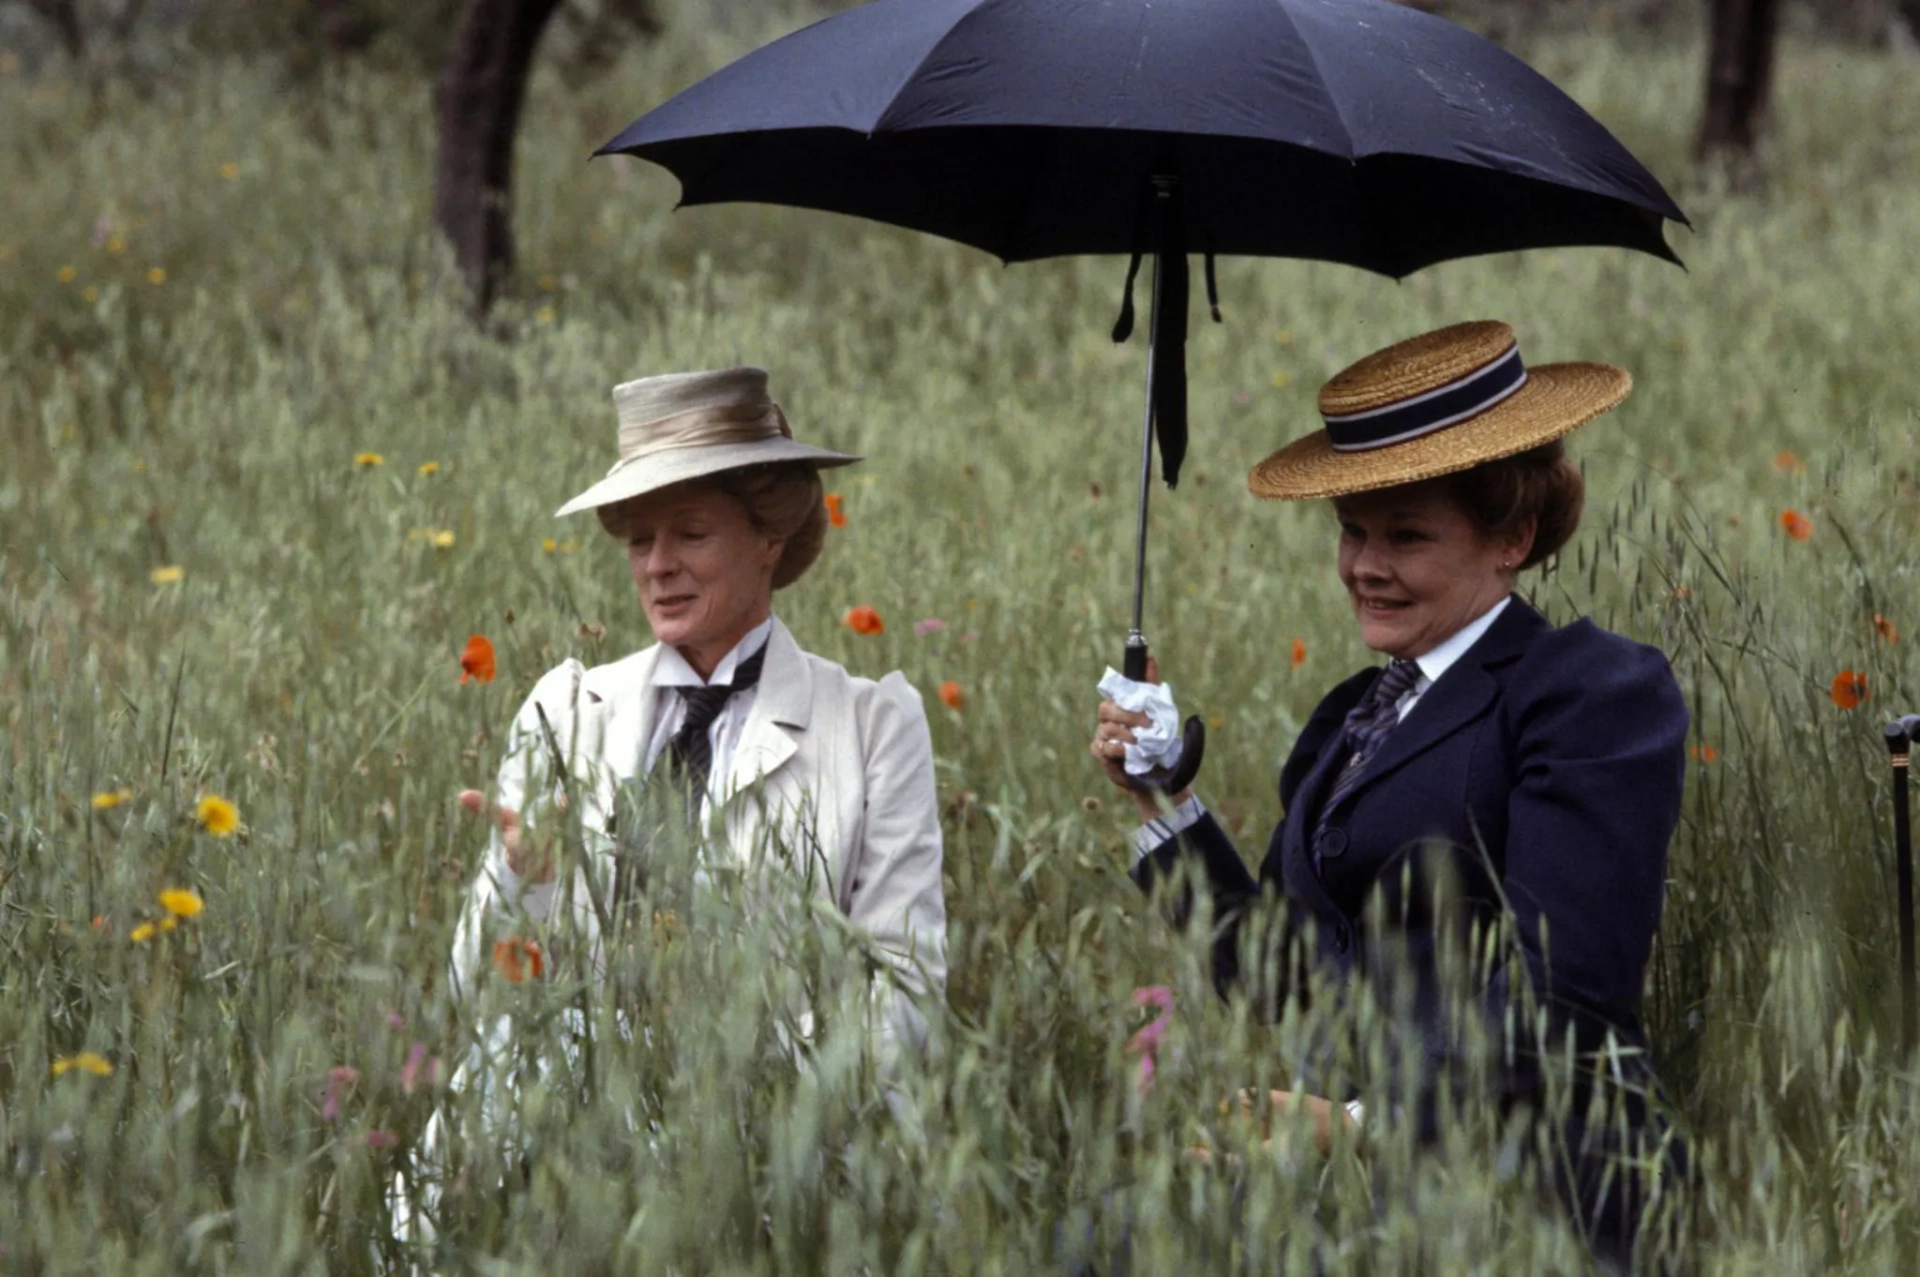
(829, 765)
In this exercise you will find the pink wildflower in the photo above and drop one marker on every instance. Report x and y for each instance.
(932, 625)
(1146, 1041)
(340, 1080)
(419, 1070)
(377, 1138)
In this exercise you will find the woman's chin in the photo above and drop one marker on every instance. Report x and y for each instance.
(1383, 634)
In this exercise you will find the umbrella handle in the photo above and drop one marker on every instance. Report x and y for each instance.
(1899, 745)
(1193, 733)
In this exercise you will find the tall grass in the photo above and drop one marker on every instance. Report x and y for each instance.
(303, 666)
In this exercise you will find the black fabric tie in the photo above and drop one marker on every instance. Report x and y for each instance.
(1367, 727)
(690, 753)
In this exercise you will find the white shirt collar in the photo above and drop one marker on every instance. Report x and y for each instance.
(1441, 658)
(672, 670)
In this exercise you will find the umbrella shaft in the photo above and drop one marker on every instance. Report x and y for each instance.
(1163, 192)
(1903, 863)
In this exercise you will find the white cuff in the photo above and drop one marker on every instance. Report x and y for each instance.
(1165, 826)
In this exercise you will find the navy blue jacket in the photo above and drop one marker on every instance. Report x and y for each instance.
(1544, 767)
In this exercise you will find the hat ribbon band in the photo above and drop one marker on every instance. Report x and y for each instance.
(700, 428)
(1448, 405)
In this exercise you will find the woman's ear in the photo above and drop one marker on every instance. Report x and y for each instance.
(1519, 542)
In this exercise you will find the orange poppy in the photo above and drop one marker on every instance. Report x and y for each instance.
(1884, 628)
(835, 514)
(1788, 462)
(515, 958)
(863, 620)
(951, 696)
(1849, 689)
(1796, 525)
(1703, 753)
(476, 660)
(1299, 654)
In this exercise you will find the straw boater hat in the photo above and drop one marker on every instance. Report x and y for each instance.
(686, 425)
(1431, 405)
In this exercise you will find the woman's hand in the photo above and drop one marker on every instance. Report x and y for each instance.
(528, 862)
(1111, 736)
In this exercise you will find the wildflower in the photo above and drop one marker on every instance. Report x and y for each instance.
(1885, 630)
(99, 922)
(90, 294)
(377, 1138)
(476, 660)
(1849, 689)
(182, 903)
(143, 933)
(395, 1020)
(549, 545)
(836, 515)
(514, 958)
(1788, 462)
(1281, 381)
(1796, 525)
(65, 274)
(157, 276)
(420, 1069)
(229, 171)
(217, 816)
(168, 575)
(951, 696)
(544, 315)
(429, 468)
(107, 799)
(863, 620)
(116, 244)
(1298, 656)
(441, 540)
(1146, 1041)
(931, 625)
(340, 1080)
(169, 922)
(366, 460)
(1703, 753)
(86, 1062)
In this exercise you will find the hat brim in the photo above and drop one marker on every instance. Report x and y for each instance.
(669, 466)
(1556, 400)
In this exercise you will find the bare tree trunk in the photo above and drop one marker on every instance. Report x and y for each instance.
(65, 17)
(478, 101)
(1739, 82)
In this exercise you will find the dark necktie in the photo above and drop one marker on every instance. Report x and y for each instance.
(690, 753)
(1367, 727)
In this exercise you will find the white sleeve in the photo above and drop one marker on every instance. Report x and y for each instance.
(1166, 825)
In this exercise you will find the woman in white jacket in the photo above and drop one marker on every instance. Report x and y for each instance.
(784, 761)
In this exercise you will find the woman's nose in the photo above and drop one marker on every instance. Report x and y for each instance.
(661, 560)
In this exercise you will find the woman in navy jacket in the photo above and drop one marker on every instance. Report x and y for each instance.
(1540, 769)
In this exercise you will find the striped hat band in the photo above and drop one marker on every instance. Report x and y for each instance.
(1459, 400)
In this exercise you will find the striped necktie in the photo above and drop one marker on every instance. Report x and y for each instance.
(1367, 727)
(690, 753)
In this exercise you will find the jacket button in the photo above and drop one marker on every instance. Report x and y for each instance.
(1333, 842)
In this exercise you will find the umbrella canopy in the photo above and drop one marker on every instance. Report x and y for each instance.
(1354, 131)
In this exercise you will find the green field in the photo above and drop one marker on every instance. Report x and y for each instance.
(218, 287)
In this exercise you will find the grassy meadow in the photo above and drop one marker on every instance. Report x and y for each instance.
(262, 480)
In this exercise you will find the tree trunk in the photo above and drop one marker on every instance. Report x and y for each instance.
(478, 100)
(1739, 81)
(65, 17)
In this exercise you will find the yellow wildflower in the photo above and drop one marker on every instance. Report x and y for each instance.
(181, 902)
(86, 1062)
(549, 545)
(168, 575)
(229, 170)
(107, 799)
(366, 459)
(117, 244)
(90, 294)
(157, 276)
(169, 922)
(1281, 381)
(65, 274)
(217, 816)
(429, 467)
(142, 933)
(544, 314)
(442, 540)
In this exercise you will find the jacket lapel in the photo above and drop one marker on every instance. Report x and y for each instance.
(1458, 697)
(782, 708)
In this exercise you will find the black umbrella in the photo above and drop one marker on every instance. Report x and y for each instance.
(1353, 131)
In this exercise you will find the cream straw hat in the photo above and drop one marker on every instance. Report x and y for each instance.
(686, 425)
(1431, 405)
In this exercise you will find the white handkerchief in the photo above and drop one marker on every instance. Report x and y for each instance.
(1159, 744)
